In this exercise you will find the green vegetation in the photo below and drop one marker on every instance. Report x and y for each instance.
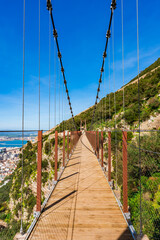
(47, 148)
(10, 194)
(149, 103)
(150, 170)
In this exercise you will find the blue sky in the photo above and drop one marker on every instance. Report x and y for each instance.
(81, 27)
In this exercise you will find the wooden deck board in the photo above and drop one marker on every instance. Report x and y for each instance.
(82, 206)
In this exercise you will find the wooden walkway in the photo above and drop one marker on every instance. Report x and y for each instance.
(82, 207)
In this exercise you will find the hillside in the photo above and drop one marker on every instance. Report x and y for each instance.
(149, 103)
(10, 194)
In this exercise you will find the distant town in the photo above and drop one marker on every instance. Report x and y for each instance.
(9, 156)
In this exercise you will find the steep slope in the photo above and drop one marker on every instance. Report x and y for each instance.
(149, 103)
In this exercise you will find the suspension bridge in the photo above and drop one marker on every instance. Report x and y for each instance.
(83, 199)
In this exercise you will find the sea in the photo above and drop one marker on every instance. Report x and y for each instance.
(13, 143)
(17, 142)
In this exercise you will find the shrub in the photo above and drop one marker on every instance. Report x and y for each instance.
(145, 115)
(52, 142)
(153, 103)
(47, 148)
(45, 176)
(44, 164)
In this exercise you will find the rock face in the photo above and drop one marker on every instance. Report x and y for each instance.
(143, 238)
(19, 236)
(152, 123)
(3, 224)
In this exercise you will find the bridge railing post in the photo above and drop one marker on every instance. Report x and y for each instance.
(63, 148)
(98, 145)
(125, 173)
(56, 155)
(109, 156)
(39, 171)
(102, 149)
(95, 144)
(68, 145)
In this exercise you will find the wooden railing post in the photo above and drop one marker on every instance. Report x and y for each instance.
(56, 155)
(98, 145)
(68, 145)
(102, 149)
(125, 178)
(109, 156)
(39, 171)
(63, 148)
(95, 144)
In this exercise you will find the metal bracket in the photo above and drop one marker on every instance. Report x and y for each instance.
(36, 214)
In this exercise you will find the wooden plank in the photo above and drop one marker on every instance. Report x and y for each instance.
(82, 205)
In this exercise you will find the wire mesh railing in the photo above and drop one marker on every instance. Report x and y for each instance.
(17, 164)
(30, 166)
(134, 175)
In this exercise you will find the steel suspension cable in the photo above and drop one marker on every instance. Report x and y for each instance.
(105, 89)
(114, 101)
(104, 95)
(123, 60)
(109, 81)
(24, 11)
(103, 98)
(140, 171)
(49, 73)
(59, 99)
(108, 35)
(39, 64)
(49, 8)
(62, 110)
(55, 86)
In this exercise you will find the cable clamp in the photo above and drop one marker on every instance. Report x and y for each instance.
(104, 54)
(62, 69)
(55, 34)
(113, 4)
(102, 69)
(59, 55)
(98, 90)
(65, 82)
(108, 35)
(100, 80)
